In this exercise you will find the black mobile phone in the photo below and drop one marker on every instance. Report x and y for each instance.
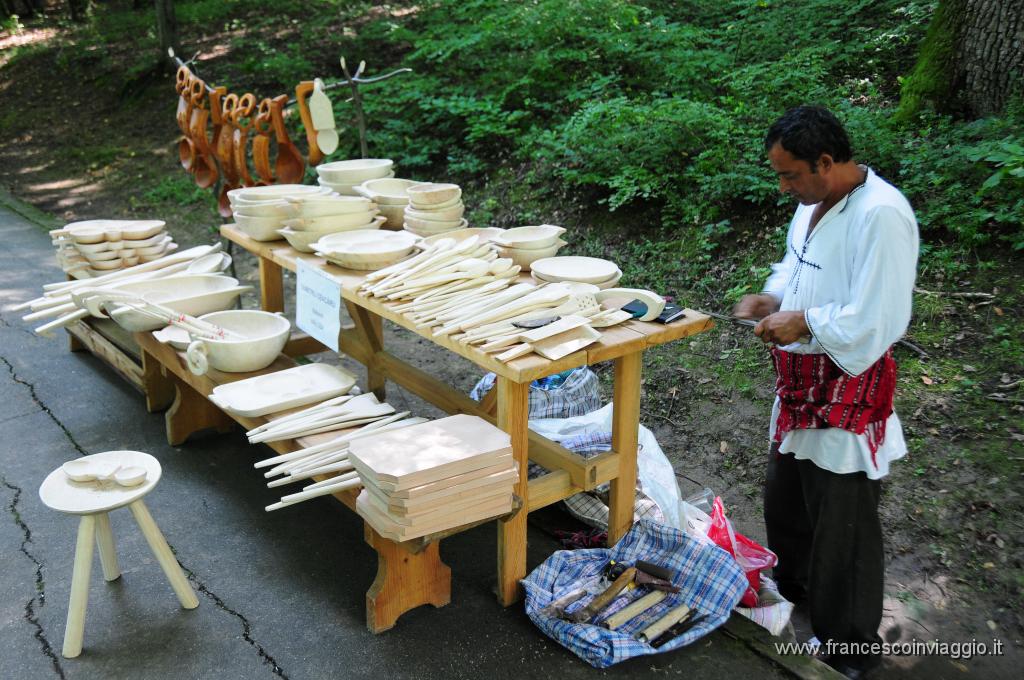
(670, 313)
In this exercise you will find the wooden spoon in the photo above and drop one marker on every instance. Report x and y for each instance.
(243, 121)
(302, 92)
(290, 165)
(261, 143)
(186, 148)
(204, 168)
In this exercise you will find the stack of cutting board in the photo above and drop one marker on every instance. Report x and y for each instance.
(434, 476)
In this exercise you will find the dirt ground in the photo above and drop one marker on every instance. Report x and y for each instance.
(89, 150)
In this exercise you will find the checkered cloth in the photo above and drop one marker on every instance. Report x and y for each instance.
(711, 582)
(576, 395)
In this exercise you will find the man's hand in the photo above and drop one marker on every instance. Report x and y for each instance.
(782, 328)
(756, 306)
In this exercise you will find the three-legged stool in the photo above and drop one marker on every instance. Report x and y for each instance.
(93, 500)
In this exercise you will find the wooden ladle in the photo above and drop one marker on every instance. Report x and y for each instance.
(243, 120)
(302, 92)
(261, 143)
(204, 168)
(225, 154)
(186, 148)
(181, 87)
(290, 166)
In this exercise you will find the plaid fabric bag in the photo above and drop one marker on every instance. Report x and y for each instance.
(710, 580)
(576, 395)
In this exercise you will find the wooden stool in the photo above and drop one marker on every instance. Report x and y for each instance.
(93, 500)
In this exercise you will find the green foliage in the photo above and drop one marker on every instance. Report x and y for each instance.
(179, 190)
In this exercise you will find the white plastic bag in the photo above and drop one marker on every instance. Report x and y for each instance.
(654, 471)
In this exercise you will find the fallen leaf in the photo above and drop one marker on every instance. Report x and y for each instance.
(989, 565)
(932, 430)
(926, 380)
(998, 311)
(970, 369)
(991, 624)
(723, 447)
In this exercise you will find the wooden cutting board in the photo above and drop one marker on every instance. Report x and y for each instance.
(397, 532)
(468, 497)
(429, 452)
(456, 492)
(443, 487)
(431, 517)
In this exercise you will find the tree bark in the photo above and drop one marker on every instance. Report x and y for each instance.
(971, 61)
(166, 29)
(990, 58)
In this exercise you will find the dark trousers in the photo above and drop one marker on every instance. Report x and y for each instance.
(824, 527)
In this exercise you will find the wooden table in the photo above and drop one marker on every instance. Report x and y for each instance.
(409, 574)
(507, 404)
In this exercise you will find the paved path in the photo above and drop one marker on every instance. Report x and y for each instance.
(281, 594)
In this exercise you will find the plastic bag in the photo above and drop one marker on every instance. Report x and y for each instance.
(751, 556)
(655, 475)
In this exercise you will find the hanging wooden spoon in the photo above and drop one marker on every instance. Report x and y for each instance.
(290, 165)
(186, 149)
(204, 168)
(225, 155)
(181, 87)
(261, 142)
(243, 120)
(302, 92)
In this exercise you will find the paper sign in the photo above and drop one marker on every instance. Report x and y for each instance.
(317, 304)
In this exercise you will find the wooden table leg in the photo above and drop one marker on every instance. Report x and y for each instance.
(158, 388)
(190, 413)
(513, 414)
(405, 580)
(370, 328)
(625, 431)
(271, 286)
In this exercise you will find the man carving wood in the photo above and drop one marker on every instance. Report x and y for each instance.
(832, 309)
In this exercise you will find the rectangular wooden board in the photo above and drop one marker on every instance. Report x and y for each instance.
(429, 452)
(396, 532)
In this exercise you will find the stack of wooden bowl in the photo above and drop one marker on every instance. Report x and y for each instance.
(316, 216)
(391, 196)
(344, 176)
(99, 246)
(601, 273)
(434, 209)
(260, 212)
(365, 250)
(526, 245)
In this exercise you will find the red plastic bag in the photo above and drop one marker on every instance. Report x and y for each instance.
(751, 557)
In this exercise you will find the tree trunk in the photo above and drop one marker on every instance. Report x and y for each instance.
(991, 56)
(167, 29)
(78, 10)
(971, 60)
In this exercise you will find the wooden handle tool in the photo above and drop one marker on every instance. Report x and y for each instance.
(634, 609)
(672, 617)
(594, 607)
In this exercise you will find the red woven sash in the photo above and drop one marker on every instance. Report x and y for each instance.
(815, 393)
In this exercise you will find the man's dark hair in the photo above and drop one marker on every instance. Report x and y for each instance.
(809, 131)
